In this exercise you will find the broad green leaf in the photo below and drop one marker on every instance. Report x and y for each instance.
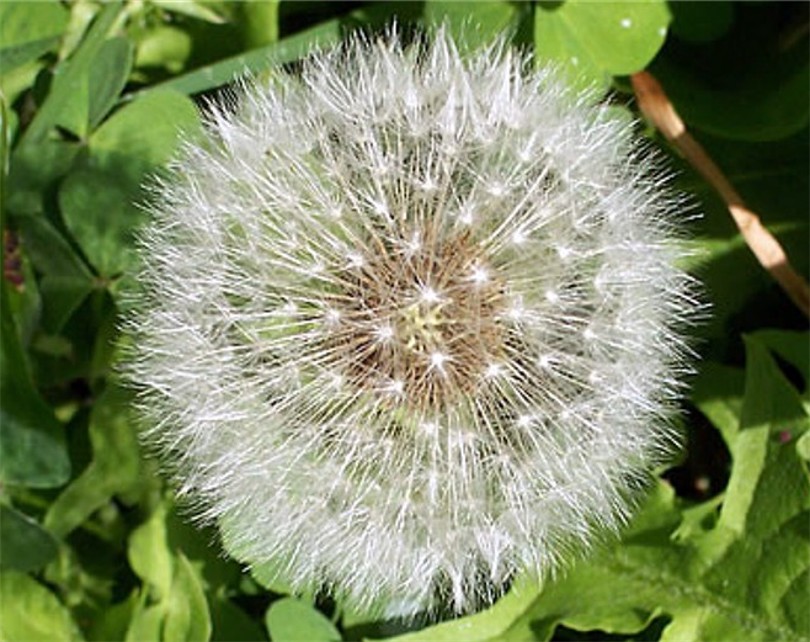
(68, 100)
(764, 107)
(28, 30)
(803, 446)
(146, 622)
(115, 468)
(717, 392)
(33, 171)
(29, 612)
(13, 84)
(594, 40)
(142, 135)
(101, 216)
(98, 199)
(291, 620)
(24, 544)
(32, 442)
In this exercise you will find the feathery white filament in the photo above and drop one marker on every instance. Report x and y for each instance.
(409, 322)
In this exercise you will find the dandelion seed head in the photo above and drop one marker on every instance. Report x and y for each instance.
(410, 323)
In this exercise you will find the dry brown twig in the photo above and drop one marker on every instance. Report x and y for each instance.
(655, 105)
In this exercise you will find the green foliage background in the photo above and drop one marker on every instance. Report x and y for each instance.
(91, 545)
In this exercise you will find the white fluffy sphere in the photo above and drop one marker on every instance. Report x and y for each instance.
(409, 322)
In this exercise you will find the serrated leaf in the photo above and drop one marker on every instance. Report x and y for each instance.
(291, 620)
(29, 611)
(594, 40)
(24, 544)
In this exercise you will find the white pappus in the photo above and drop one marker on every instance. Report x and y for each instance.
(410, 322)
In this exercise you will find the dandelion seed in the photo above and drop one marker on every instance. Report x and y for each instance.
(453, 398)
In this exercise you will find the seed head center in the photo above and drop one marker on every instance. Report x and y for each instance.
(418, 329)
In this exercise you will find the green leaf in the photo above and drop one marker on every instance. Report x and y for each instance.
(29, 612)
(291, 620)
(28, 30)
(593, 40)
(101, 216)
(113, 621)
(149, 555)
(98, 199)
(115, 468)
(65, 281)
(142, 135)
(34, 169)
(285, 50)
(32, 442)
(24, 544)
(68, 101)
(173, 605)
(107, 78)
(146, 623)
(793, 347)
(187, 616)
(717, 392)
